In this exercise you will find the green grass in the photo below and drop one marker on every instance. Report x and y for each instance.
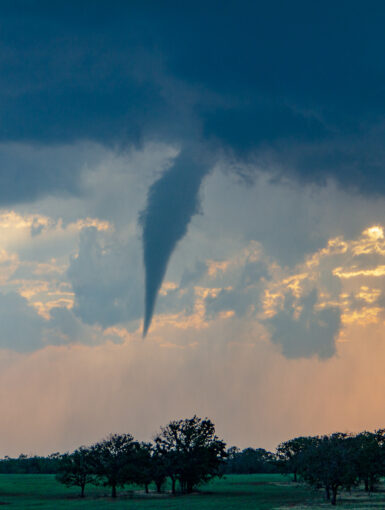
(235, 492)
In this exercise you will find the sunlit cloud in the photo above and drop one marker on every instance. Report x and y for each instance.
(352, 263)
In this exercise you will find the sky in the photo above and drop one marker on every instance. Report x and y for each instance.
(192, 219)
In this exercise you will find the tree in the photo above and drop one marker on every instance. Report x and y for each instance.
(114, 460)
(192, 452)
(77, 469)
(143, 469)
(369, 458)
(167, 461)
(329, 463)
(159, 467)
(288, 453)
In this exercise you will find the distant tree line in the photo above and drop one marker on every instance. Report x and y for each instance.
(249, 461)
(32, 465)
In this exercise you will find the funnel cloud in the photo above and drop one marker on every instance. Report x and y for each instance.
(172, 201)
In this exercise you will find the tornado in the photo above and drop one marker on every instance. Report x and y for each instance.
(172, 201)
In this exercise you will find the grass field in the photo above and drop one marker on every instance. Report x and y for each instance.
(235, 492)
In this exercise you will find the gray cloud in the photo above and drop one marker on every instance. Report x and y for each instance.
(105, 279)
(65, 327)
(227, 300)
(23, 330)
(289, 219)
(30, 171)
(176, 301)
(244, 294)
(193, 275)
(108, 286)
(313, 332)
(21, 327)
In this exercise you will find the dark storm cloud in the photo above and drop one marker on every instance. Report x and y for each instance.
(299, 80)
(245, 76)
(295, 84)
(28, 171)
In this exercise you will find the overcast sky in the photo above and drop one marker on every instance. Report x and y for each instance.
(192, 215)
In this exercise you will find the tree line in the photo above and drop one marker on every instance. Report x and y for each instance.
(188, 453)
(336, 461)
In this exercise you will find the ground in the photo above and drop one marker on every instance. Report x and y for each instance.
(235, 492)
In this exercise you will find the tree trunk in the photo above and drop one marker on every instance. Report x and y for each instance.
(334, 495)
(327, 490)
(366, 485)
(295, 476)
(173, 485)
(113, 491)
(158, 487)
(82, 490)
(146, 487)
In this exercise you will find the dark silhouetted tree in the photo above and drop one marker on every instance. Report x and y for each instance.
(77, 469)
(288, 454)
(143, 465)
(160, 467)
(114, 460)
(369, 458)
(192, 451)
(329, 463)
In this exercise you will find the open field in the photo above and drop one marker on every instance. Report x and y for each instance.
(235, 492)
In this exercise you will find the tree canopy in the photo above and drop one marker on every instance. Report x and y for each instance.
(114, 460)
(192, 451)
(77, 469)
